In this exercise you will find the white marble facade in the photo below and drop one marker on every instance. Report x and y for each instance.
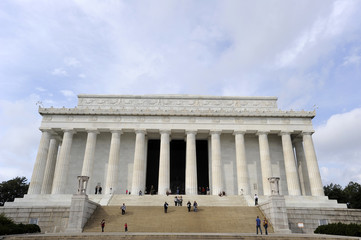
(106, 138)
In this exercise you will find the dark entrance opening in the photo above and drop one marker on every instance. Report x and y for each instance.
(152, 165)
(177, 166)
(202, 166)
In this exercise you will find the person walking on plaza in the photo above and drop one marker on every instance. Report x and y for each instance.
(175, 201)
(195, 206)
(123, 209)
(189, 205)
(102, 224)
(125, 227)
(165, 207)
(265, 225)
(255, 200)
(258, 225)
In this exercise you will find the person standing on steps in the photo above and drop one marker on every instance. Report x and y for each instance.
(165, 207)
(175, 201)
(125, 227)
(258, 225)
(102, 224)
(189, 205)
(255, 200)
(265, 225)
(123, 209)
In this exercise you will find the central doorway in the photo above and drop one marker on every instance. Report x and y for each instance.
(177, 166)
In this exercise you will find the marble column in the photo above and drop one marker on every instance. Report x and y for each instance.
(139, 167)
(302, 167)
(241, 161)
(50, 165)
(265, 158)
(61, 169)
(164, 163)
(40, 163)
(89, 153)
(217, 185)
(111, 183)
(191, 164)
(293, 183)
(312, 165)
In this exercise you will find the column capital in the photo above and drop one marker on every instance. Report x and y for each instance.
(140, 131)
(262, 133)
(49, 130)
(191, 131)
(236, 132)
(165, 131)
(120, 131)
(69, 130)
(307, 132)
(92, 130)
(284, 133)
(213, 131)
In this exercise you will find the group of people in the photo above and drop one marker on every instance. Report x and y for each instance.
(98, 190)
(178, 202)
(258, 225)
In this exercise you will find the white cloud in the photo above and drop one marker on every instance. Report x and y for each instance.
(352, 59)
(68, 93)
(59, 72)
(338, 146)
(40, 89)
(72, 62)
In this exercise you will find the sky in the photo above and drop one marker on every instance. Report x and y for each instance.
(307, 53)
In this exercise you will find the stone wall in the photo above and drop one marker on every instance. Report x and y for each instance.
(50, 219)
(313, 217)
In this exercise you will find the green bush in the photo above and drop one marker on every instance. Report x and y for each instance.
(351, 229)
(8, 227)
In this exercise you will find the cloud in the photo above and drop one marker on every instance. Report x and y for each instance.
(338, 147)
(72, 62)
(59, 72)
(68, 94)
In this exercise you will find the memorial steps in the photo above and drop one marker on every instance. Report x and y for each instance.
(218, 219)
(158, 200)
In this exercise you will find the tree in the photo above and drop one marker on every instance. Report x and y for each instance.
(353, 193)
(11, 189)
(335, 191)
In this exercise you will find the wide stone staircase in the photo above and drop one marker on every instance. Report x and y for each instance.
(177, 220)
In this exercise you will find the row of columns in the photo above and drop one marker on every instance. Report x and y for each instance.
(50, 170)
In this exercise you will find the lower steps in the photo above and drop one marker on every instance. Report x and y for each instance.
(216, 219)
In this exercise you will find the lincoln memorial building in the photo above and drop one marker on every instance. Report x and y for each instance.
(176, 143)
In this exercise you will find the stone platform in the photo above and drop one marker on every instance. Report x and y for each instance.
(183, 236)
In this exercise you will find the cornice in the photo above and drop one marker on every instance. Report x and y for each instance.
(175, 112)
